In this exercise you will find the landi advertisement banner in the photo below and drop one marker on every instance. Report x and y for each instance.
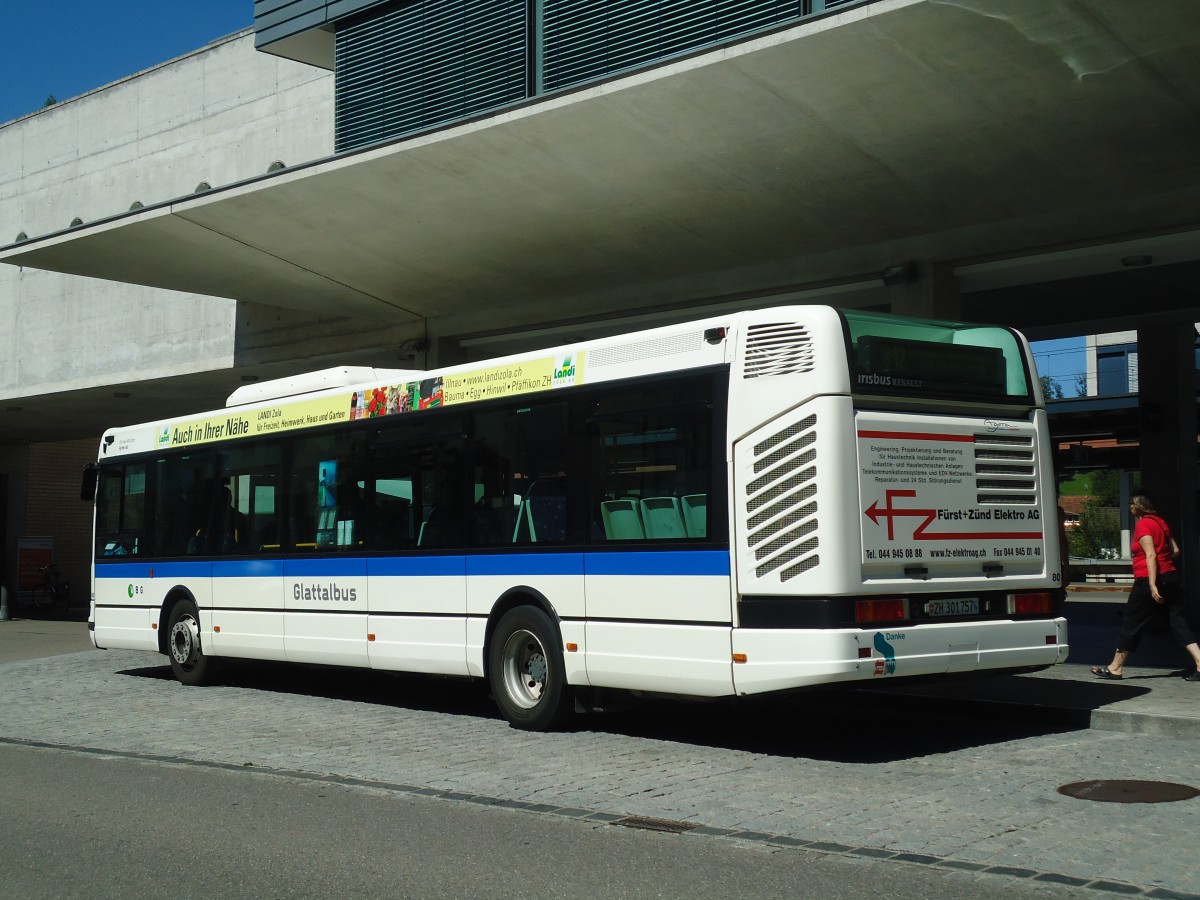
(509, 380)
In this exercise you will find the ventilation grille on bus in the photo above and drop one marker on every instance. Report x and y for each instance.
(783, 348)
(625, 353)
(781, 506)
(1005, 469)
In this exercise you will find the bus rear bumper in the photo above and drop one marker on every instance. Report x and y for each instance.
(783, 659)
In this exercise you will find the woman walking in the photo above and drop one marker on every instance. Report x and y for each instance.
(1156, 583)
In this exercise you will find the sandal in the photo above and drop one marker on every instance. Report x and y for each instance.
(1103, 672)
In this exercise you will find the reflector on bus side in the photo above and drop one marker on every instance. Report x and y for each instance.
(1028, 602)
(890, 610)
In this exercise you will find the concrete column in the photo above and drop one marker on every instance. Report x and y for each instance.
(1126, 482)
(446, 352)
(1167, 403)
(929, 290)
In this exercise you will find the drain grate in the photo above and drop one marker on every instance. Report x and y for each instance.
(666, 826)
(1129, 791)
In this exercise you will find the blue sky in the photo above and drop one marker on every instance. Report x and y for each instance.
(1063, 360)
(66, 47)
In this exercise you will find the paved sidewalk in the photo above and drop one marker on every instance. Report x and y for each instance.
(1153, 698)
(809, 774)
(22, 638)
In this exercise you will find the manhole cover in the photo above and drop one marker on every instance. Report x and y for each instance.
(1129, 791)
(646, 824)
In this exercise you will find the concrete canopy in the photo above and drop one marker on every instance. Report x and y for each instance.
(904, 129)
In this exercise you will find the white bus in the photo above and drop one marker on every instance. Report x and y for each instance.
(761, 501)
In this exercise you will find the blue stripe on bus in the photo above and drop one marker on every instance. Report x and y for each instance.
(526, 564)
(125, 571)
(669, 562)
(644, 563)
(325, 567)
(417, 565)
(247, 568)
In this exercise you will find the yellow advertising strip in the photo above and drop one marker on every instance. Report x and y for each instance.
(510, 380)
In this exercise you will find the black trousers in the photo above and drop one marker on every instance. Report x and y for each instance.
(1141, 609)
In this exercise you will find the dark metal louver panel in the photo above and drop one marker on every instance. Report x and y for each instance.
(585, 39)
(427, 61)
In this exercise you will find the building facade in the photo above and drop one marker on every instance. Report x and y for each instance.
(402, 183)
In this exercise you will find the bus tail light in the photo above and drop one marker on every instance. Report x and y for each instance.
(1030, 603)
(891, 610)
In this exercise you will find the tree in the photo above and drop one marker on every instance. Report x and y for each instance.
(1098, 534)
(1051, 388)
(1106, 487)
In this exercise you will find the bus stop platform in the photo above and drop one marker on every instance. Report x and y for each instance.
(1152, 698)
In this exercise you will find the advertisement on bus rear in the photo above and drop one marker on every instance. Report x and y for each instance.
(958, 495)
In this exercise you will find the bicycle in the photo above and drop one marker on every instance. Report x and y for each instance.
(53, 591)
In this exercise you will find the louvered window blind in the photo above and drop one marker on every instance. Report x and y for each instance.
(425, 62)
(588, 38)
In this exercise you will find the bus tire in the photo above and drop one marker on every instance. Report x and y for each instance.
(188, 661)
(526, 670)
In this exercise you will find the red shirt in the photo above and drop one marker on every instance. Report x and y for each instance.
(1160, 534)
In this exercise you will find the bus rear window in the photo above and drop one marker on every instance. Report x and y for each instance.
(927, 358)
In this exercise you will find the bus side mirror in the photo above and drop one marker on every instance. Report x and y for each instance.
(91, 474)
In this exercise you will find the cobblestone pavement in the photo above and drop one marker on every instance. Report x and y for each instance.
(817, 776)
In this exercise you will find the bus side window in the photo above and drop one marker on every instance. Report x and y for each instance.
(182, 489)
(418, 493)
(243, 514)
(325, 488)
(121, 521)
(651, 464)
(521, 476)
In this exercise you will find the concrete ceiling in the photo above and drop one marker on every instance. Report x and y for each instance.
(906, 129)
(1032, 145)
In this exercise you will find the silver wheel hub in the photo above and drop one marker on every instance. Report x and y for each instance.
(525, 669)
(184, 641)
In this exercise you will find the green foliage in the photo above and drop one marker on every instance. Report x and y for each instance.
(1051, 388)
(1098, 534)
(1106, 487)
(1103, 484)
(1079, 485)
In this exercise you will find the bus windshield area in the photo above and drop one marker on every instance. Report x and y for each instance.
(937, 360)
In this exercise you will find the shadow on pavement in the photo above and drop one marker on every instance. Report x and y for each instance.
(848, 723)
(837, 724)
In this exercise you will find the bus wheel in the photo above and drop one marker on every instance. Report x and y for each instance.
(188, 661)
(526, 669)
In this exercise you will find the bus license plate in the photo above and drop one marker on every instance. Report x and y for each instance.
(953, 606)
